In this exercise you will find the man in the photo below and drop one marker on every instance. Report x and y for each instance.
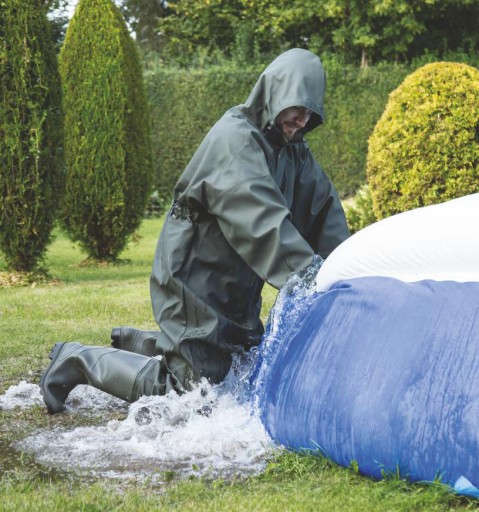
(251, 206)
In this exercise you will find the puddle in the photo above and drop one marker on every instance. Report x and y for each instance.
(210, 431)
(204, 431)
(11, 460)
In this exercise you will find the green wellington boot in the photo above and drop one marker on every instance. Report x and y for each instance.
(122, 374)
(134, 340)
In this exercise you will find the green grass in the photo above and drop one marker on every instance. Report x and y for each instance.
(84, 305)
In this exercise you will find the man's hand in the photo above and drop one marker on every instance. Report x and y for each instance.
(305, 278)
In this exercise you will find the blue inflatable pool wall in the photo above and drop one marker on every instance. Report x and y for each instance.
(381, 372)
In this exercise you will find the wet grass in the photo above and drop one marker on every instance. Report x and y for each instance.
(83, 303)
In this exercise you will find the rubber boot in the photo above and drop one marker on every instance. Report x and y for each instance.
(122, 374)
(134, 340)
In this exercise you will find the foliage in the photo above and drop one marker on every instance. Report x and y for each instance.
(357, 31)
(240, 29)
(425, 147)
(143, 17)
(359, 212)
(58, 19)
(450, 26)
(362, 31)
(355, 99)
(196, 23)
(31, 131)
(107, 137)
(372, 28)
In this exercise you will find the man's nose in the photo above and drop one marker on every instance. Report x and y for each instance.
(301, 121)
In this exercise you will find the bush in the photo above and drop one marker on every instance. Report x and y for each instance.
(359, 212)
(107, 133)
(31, 131)
(425, 148)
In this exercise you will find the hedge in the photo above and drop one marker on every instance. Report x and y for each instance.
(184, 105)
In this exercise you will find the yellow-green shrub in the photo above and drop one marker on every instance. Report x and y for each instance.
(425, 147)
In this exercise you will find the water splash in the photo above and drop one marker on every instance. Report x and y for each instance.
(84, 399)
(209, 431)
(284, 320)
(205, 431)
(21, 395)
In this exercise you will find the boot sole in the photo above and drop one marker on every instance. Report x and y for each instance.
(115, 337)
(53, 355)
(134, 340)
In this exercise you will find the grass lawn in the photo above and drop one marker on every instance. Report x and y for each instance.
(83, 305)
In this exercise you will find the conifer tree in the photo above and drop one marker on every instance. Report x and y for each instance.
(31, 165)
(107, 137)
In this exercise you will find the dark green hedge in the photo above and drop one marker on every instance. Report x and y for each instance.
(31, 133)
(186, 103)
(355, 100)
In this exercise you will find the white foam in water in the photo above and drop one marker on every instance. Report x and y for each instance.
(89, 400)
(203, 431)
(82, 398)
(22, 395)
(208, 431)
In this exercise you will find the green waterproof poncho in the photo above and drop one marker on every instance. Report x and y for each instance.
(250, 207)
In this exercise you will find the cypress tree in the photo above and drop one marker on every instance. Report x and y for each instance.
(107, 137)
(31, 165)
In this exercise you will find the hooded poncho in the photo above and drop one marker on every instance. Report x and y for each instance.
(250, 207)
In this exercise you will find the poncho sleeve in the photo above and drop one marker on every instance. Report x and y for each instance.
(255, 220)
(317, 212)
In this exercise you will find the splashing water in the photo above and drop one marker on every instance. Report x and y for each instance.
(211, 430)
(22, 395)
(284, 320)
(205, 431)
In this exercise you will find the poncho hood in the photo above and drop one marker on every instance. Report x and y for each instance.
(295, 78)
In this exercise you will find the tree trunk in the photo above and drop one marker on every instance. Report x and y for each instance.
(364, 58)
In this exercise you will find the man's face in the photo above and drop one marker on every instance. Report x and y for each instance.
(292, 119)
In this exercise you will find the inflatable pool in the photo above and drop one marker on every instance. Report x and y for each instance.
(380, 363)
